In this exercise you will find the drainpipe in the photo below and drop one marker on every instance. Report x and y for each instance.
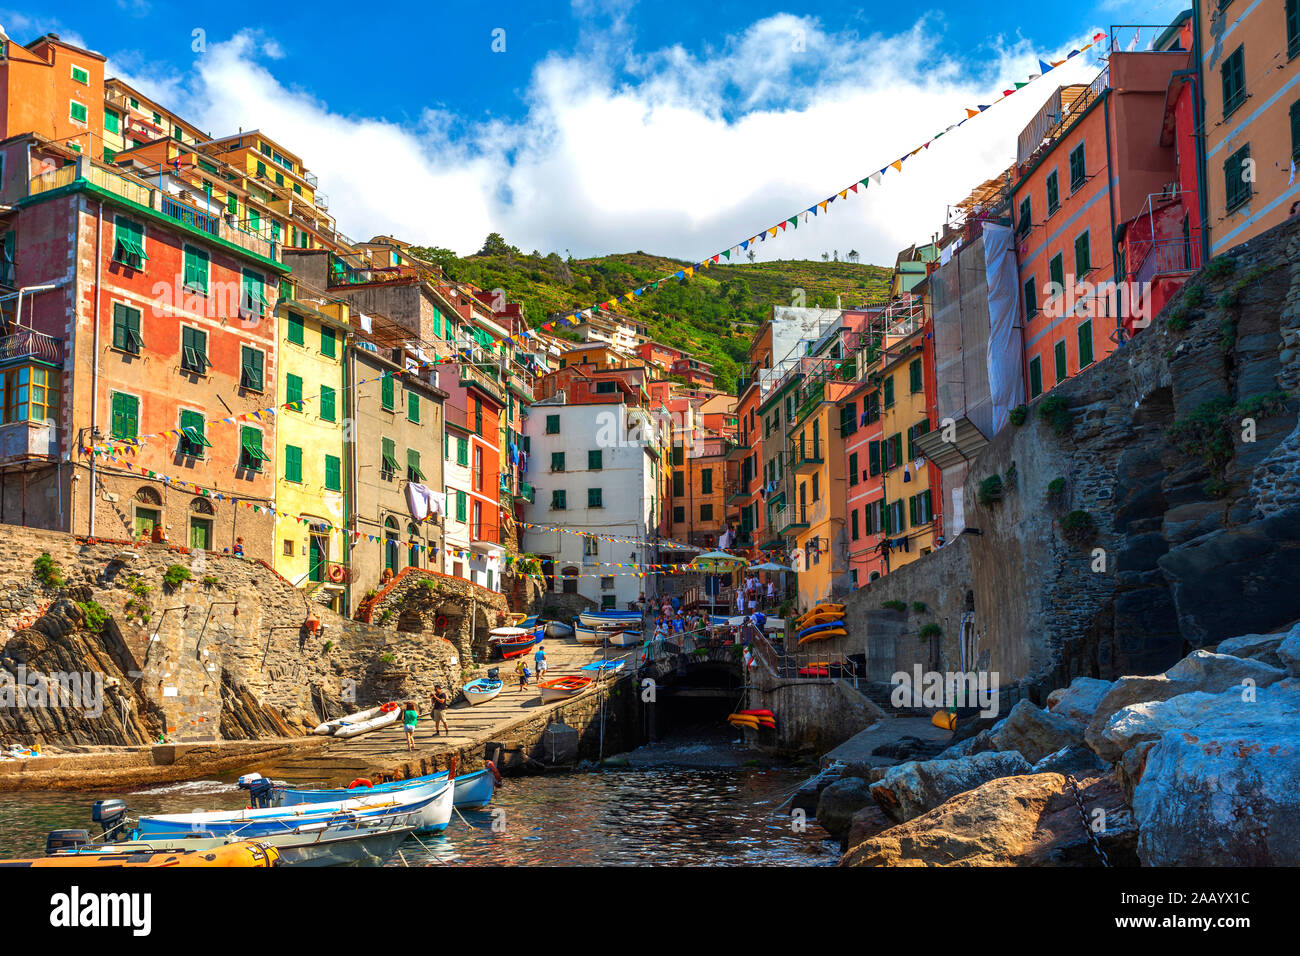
(1110, 196)
(94, 362)
(1198, 122)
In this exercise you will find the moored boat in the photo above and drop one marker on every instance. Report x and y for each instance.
(604, 669)
(560, 688)
(481, 690)
(470, 791)
(513, 647)
(388, 714)
(330, 726)
(607, 618)
(624, 638)
(243, 853)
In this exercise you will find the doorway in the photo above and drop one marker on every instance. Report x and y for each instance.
(317, 555)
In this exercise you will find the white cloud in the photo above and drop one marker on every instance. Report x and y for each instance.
(666, 151)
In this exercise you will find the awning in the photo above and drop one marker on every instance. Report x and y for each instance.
(966, 444)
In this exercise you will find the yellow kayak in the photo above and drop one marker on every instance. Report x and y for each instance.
(246, 853)
(805, 620)
(824, 635)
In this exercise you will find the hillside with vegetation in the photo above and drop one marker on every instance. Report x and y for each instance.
(711, 315)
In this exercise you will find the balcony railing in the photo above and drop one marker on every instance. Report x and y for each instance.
(1167, 257)
(806, 454)
(521, 384)
(28, 343)
(790, 518)
(472, 375)
(195, 218)
(526, 492)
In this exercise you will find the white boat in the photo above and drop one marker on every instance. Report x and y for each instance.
(604, 669)
(330, 726)
(482, 690)
(610, 618)
(354, 729)
(588, 635)
(624, 638)
(505, 633)
(558, 629)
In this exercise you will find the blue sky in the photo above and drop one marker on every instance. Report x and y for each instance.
(669, 127)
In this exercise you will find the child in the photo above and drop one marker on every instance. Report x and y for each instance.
(409, 719)
(519, 672)
(239, 547)
(523, 677)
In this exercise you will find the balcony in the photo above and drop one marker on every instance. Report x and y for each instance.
(809, 398)
(526, 492)
(28, 343)
(1167, 257)
(25, 440)
(790, 518)
(521, 385)
(472, 376)
(736, 493)
(806, 457)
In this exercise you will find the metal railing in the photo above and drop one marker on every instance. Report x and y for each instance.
(1168, 256)
(195, 218)
(28, 343)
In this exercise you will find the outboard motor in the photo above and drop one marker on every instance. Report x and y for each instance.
(494, 673)
(65, 841)
(111, 815)
(259, 789)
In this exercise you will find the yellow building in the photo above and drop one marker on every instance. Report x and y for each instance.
(312, 487)
(907, 519)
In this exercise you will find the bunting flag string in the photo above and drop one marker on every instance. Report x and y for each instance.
(666, 543)
(576, 316)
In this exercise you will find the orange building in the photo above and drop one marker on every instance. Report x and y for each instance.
(1249, 59)
(52, 88)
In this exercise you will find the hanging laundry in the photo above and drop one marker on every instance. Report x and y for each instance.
(907, 474)
(437, 503)
(417, 500)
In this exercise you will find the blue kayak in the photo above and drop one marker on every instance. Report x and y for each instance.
(472, 790)
(821, 627)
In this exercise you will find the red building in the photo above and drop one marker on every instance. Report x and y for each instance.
(149, 331)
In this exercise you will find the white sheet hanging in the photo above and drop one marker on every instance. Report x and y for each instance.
(1006, 336)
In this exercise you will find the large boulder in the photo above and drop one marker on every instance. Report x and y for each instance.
(1079, 701)
(839, 802)
(1009, 821)
(1035, 733)
(1221, 784)
(1076, 759)
(1199, 671)
(1258, 647)
(913, 788)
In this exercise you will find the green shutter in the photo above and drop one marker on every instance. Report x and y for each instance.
(594, 498)
(293, 463)
(462, 450)
(1082, 255)
(595, 460)
(388, 454)
(1236, 186)
(1053, 193)
(460, 506)
(873, 458)
(1056, 270)
(1085, 344)
(413, 407)
(250, 442)
(911, 511)
(557, 461)
(112, 122)
(1295, 117)
(333, 473)
(552, 424)
(916, 376)
(297, 334)
(196, 269)
(128, 243)
(386, 397)
(327, 341)
(1031, 299)
(126, 328)
(706, 481)
(413, 472)
(559, 501)
(192, 440)
(77, 111)
(888, 515)
(1234, 80)
(1061, 368)
(254, 288)
(327, 403)
(1078, 168)
(293, 391)
(250, 368)
(194, 350)
(1035, 377)
(889, 391)
(126, 415)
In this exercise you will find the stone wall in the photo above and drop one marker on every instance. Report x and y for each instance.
(1186, 550)
(225, 654)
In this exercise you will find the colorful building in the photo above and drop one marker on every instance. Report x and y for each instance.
(311, 485)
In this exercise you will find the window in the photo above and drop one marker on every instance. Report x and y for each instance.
(254, 291)
(293, 391)
(387, 398)
(557, 461)
(1025, 220)
(1078, 169)
(1082, 255)
(919, 509)
(293, 463)
(594, 498)
(604, 388)
(333, 473)
(77, 112)
(126, 415)
(915, 377)
(194, 350)
(1031, 299)
(31, 394)
(1292, 28)
(895, 450)
(1233, 72)
(855, 532)
(552, 424)
(462, 500)
(888, 389)
(873, 458)
(706, 481)
(80, 75)
(413, 407)
(679, 515)
(462, 451)
(112, 122)
(706, 512)
(297, 332)
(192, 440)
(595, 459)
(1053, 192)
(126, 328)
(1059, 355)
(478, 418)
(251, 455)
(591, 547)
(196, 270)
(679, 483)
(1056, 273)
(558, 502)
(1295, 122)
(251, 364)
(413, 472)
(128, 243)
(1035, 377)
(328, 341)
(327, 403)
(388, 458)
(853, 469)
(849, 418)
(1235, 181)
(1085, 344)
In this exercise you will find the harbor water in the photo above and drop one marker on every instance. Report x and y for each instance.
(654, 814)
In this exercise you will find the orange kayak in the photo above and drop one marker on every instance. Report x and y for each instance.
(246, 853)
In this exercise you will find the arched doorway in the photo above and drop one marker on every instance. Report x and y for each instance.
(147, 513)
(201, 514)
(390, 544)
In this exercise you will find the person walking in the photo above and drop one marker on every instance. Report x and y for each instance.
(540, 660)
(440, 704)
(410, 717)
(771, 594)
(521, 672)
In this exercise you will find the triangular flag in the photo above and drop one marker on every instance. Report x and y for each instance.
(897, 164)
(970, 112)
(1045, 67)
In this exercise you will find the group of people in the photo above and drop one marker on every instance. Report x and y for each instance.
(670, 622)
(523, 672)
(752, 593)
(440, 700)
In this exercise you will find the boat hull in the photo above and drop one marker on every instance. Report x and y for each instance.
(607, 619)
(481, 691)
(562, 688)
(469, 791)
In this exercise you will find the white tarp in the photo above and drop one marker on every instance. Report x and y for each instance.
(1006, 342)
